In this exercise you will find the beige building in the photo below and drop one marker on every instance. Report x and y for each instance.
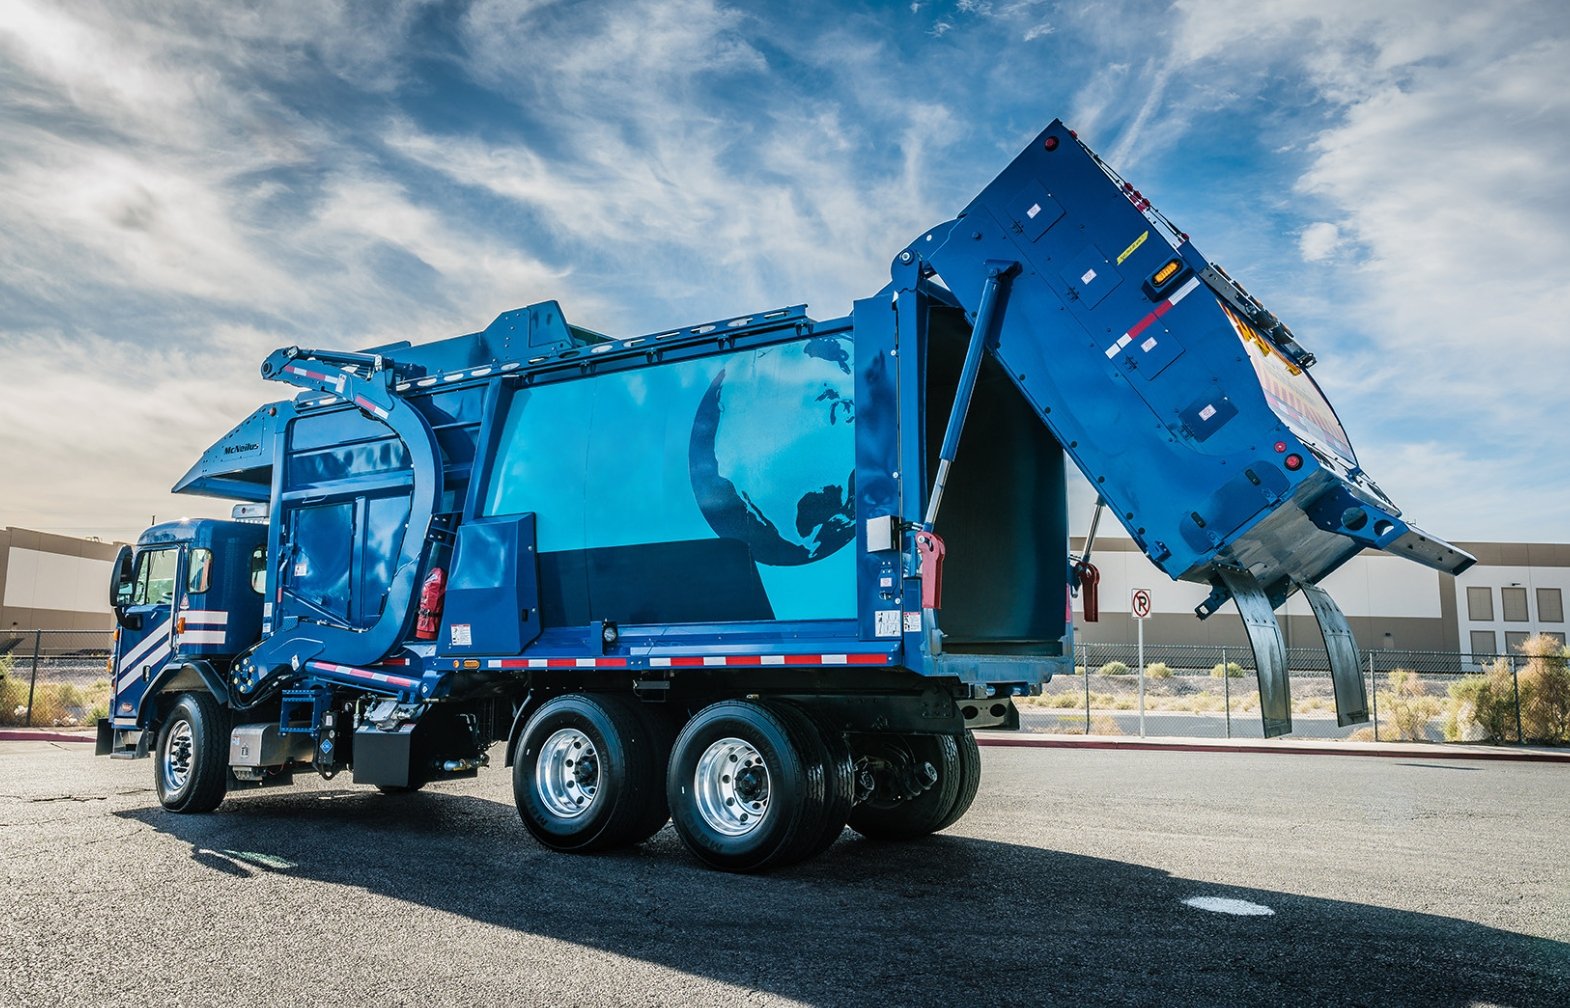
(54, 582)
(1514, 591)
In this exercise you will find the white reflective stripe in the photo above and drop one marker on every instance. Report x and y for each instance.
(586, 662)
(835, 659)
(152, 640)
(714, 661)
(773, 659)
(205, 617)
(203, 636)
(1185, 290)
(659, 662)
(156, 659)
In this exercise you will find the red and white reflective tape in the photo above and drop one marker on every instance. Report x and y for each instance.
(360, 673)
(1161, 309)
(308, 373)
(692, 661)
(511, 663)
(370, 407)
(713, 661)
(335, 380)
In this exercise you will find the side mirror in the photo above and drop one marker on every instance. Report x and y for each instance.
(122, 589)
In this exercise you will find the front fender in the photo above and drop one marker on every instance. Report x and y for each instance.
(181, 677)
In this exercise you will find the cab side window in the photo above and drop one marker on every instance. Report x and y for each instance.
(155, 577)
(259, 570)
(197, 580)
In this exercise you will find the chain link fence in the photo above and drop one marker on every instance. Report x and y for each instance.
(1203, 691)
(61, 678)
(55, 678)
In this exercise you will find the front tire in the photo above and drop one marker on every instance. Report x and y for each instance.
(747, 786)
(191, 771)
(587, 774)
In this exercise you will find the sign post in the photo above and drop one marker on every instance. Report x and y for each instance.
(1139, 606)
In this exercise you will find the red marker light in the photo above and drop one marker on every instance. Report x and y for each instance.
(1051, 143)
(1293, 462)
(1281, 446)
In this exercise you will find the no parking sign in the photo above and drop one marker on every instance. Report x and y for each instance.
(1140, 605)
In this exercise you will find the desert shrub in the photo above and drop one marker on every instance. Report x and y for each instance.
(1158, 670)
(1062, 700)
(1065, 726)
(1361, 735)
(1113, 668)
(96, 703)
(55, 705)
(1482, 706)
(13, 694)
(1232, 671)
(1406, 706)
(1545, 690)
(1102, 724)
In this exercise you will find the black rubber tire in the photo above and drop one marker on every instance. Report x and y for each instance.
(628, 787)
(958, 764)
(969, 778)
(202, 725)
(787, 743)
(661, 731)
(840, 780)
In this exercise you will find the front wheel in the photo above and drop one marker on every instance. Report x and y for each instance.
(191, 772)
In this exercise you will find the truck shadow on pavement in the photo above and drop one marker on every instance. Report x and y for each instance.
(946, 919)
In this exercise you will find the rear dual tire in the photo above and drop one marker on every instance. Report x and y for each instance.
(753, 786)
(957, 761)
(588, 774)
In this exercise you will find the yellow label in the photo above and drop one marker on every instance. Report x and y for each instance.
(1130, 250)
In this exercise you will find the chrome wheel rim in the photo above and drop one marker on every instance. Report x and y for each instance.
(178, 755)
(567, 773)
(731, 786)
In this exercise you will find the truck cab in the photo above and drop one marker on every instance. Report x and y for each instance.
(187, 598)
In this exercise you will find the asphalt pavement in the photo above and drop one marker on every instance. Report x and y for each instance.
(1387, 882)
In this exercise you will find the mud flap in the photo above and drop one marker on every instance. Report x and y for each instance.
(1345, 675)
(1270, 655)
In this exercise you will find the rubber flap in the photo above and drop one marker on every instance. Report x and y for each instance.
(1345, 675)
(1264, 634)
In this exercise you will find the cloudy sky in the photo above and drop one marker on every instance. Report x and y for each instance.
(186, 186)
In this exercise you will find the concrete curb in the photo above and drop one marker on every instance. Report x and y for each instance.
(1530, 754)
(46, 735)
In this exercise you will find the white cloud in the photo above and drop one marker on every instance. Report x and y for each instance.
(1319, 241)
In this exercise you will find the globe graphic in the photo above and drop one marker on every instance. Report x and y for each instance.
(772, 457)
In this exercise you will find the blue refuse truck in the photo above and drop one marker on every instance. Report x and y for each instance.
(760, 576)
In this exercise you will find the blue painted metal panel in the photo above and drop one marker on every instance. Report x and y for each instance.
(492, 604)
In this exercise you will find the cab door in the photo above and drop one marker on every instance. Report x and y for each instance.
(144, 643)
